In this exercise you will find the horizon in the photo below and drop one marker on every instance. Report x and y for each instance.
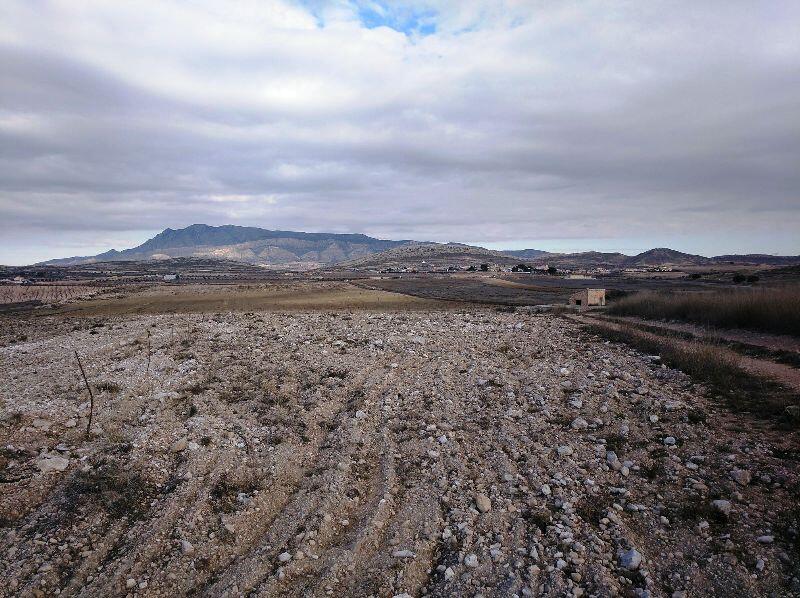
(573, 127)
(495, 247)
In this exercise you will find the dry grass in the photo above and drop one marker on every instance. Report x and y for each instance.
(221, 299)
(709, 365)
(772, 310)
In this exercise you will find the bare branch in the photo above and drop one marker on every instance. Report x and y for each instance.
(91, 395)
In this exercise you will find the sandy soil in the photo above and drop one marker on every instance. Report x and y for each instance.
(383, 453)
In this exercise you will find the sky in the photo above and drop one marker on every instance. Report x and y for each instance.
(563, 126)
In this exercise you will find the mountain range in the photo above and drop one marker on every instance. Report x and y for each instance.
(248, 244)
(300, 250)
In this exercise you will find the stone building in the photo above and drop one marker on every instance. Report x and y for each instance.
(588, 298)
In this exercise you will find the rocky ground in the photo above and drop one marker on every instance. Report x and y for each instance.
(451, 452)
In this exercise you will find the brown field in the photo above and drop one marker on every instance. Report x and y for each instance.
(46, 293)
(243, 298)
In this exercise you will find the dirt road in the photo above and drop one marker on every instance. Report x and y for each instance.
(783, 374)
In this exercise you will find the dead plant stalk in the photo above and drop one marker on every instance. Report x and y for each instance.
(91, 395)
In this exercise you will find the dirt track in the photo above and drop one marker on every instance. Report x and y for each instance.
(773, 342)
(377, 453)
(786, 375)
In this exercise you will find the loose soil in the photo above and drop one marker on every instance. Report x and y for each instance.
(383, 452)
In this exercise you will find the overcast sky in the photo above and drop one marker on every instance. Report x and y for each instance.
(545, 124)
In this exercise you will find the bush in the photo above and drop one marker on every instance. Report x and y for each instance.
(768, 310)
(739, 278)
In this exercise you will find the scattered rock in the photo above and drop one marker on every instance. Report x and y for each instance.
(722, 506)
(741, 476)
(579, 424)
(629, 559)
(180, 445)
(482, 503)
(767, 539)
(42, 424)
(52, 463)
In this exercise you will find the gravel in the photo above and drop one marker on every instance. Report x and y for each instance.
(283, 454)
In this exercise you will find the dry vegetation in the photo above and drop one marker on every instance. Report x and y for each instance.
(712, 365)
(198, 298)
(768, 310)
(51, 293)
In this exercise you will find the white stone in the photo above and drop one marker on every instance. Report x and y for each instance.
(52, 463)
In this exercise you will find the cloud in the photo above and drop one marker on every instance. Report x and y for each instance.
(484, 121)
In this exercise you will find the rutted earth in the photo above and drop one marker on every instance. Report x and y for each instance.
(377, 453)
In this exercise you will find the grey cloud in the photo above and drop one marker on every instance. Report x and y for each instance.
(545, 123)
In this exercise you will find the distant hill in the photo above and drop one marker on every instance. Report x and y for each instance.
(525, 254)
(663, 256)
(246, 244)
(658, 257)
(423, 256)
(757, 259)
(300, 250)
(594, 259)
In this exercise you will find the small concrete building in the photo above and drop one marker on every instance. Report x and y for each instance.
(588, 298)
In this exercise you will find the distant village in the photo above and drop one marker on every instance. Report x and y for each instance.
(574, 273)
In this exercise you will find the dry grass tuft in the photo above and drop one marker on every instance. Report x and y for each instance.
(708, 364)
(767, 310)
